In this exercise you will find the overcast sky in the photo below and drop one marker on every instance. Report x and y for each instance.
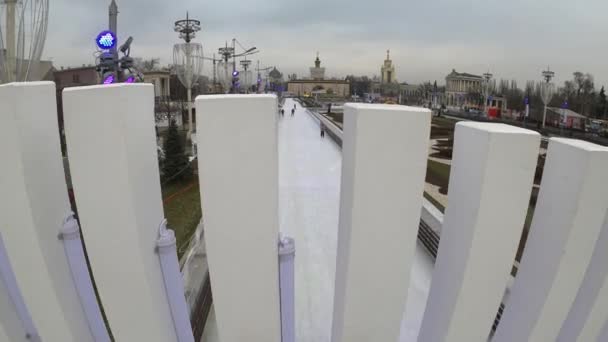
(512, 39)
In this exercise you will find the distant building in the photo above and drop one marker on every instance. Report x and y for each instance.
(317, 84)
(161, 79)
(165, 108)
(568, 118)
(76, 77)
(388, 70)
(73, 77)
(317, 72)
(275, 79)
(463, 89)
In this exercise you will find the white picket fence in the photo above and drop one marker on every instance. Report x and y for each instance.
(559, 294)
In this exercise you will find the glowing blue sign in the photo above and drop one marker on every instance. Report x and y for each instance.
(106, 40)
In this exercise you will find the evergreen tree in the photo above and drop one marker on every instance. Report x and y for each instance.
(602, 105)
(175, 165)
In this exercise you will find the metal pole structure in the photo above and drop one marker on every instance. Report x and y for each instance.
(11, 45)
(113, 26)
(214, 75)
(233, 64)
(546, 89)
(487, 77)
(190, 56)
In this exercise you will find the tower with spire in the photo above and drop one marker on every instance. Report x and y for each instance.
(113, 15)
(388, 70)
(317, 72)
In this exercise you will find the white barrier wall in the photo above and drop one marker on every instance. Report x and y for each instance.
(33, 205)
(239, 192)
(11, 327)
(490, 184)
(590, 309)
(384, 164)
(113, 160)
(569, 215)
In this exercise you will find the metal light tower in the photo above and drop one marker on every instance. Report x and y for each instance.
(113, 25)
(546, 91)
(188, 59)
(486, 77)
(246, 74)
(23, 27)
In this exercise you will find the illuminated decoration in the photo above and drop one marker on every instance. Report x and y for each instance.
(109, 79)
(130, 79)
(106, 40)
(235, 73)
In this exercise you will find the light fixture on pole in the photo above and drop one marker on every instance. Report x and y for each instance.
(188, 59)
(23, 28)
(486, 77)
(547, 90)
(246, 75)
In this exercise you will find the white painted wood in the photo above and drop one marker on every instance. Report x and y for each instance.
(604, 335)
(238, 170)
(113, 160)
(11, 327)
(490, 184)
(384, 164)
(33, 205)
(569, 215)
(590, 309)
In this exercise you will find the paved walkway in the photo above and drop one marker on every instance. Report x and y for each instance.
(309, 194)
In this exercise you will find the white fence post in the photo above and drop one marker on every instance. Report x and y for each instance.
(33, 204)
(238, 171)
(16, 323)
(384, 164)
(113, 160)
(569, 215)
(491, 180)
(72, 243)
(174, 284)
(287, 253)
(590, 309)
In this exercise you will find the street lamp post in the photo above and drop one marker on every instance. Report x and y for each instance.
(187, 58)
(487, 77)
(546, 91)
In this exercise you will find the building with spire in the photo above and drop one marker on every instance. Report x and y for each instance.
(388, 70)
(317, 72)
(317, 84)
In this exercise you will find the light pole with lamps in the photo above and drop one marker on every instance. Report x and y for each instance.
(486, 77)
(546, 91)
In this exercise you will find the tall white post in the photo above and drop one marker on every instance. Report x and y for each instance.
(239, 191)
(16, 323)
(114, 168)
(33, 204)
(590, 309)
(481, 229)
(567, 221)
(384, 164)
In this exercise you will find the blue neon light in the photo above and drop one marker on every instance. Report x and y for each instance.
(106, 40)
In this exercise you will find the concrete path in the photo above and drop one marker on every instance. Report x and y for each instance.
(309, 195)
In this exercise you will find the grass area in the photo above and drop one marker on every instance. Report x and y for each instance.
(182, 203)
(434, 202)
(438, 174)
